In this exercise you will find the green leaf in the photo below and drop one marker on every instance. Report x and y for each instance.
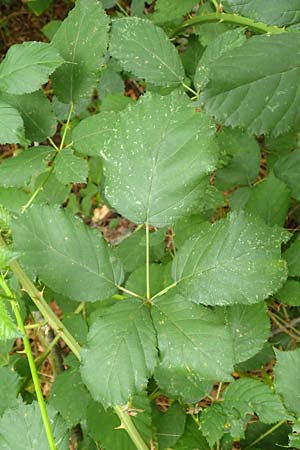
(287, 169)
(69, 168)
(255, 86)
(82, 41)
(22, 429)
(160, 278)
(167, 10)
(235, 260)
(270, 200)
(289, 293)
(10, 384)
(68, 256)
(249, 327)
(4, 219)
(39, 6)
(219, 46)
(36, 112)
(182, 383)
(146, 51)
(242, 399)
(244, 159)
(27, 66)
(169, 425)
(12, 125)
(278, 12)
(110, 83)
(120, 342)
(192, 437)
(19, 170)
(192, 336)
(278, 438)
(287, 378)
(51, 28)
(8, 329)
(93, 133)
(69, 396)
(132, 250)
(164, 160)
(53, 192)
(110, 435)
(294, 438)
(13, 199)
(292, 257)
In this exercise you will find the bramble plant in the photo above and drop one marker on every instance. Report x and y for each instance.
(165, 331)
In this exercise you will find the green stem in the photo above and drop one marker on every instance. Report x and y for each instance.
(165, 290)
(148, 293)
(132, 294)
(127, 423)
(235, 19)
(60, 329)
(42, 305)
(267, 433)
(32, 366)
(58, 149)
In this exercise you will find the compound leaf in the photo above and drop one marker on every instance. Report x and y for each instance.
(167, 10)
(287, 169)
(82, 41)
(68, 256)
(146, 51)
(120, 354)
(163, 148)
(27, 66)
(235, 260)
(8, 329)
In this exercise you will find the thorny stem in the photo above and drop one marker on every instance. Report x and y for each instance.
(58, 149)
(60, 329)
(259, 27)
(32, 366)
(129, 426)
(148, 294)
(267, 433)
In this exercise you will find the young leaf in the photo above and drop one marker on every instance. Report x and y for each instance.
(22, 428)
(12, 125)
(69, 168)
(287, 378)
(93, 133)
(27, 66)
(235, 260)
(36, 112)
(70, 257)
(284, 13)
(120, 342)
(10, 384)
(164, 160)
(27, 164)
(255, 86)
(146, 51)
(82, 41)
